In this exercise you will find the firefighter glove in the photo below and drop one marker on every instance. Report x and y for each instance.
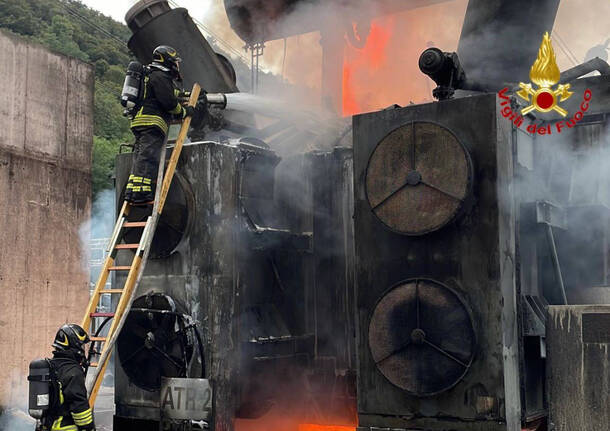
(188, 111)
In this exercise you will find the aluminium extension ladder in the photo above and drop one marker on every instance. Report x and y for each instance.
(136, 269)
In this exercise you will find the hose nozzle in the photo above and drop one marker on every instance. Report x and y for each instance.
(217, 99)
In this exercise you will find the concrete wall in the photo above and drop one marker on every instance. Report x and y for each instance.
(578, 367)
(46, 135)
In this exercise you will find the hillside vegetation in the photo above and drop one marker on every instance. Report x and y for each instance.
(68, 27)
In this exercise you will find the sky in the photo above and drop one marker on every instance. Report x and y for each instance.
(117, 8)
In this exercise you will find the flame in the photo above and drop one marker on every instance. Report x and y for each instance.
(545, 71)
(386, 71)
(314, 427)
(369, 60)
(290, 423)
(350, 106)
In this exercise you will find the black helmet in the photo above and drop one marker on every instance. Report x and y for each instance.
(167, 56)
(71, 337)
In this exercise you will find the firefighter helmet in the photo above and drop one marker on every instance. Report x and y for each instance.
(71, 337)
(167, 56)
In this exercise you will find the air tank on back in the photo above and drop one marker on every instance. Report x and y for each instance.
(154, 23)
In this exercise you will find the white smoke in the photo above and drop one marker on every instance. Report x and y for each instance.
(97, 228)
(13, 414)
(14, 419)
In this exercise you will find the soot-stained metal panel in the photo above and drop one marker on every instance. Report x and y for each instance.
(473, 256)
(200, 275)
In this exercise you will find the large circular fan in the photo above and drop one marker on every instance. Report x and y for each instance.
(418, 178)
(421, 337)
(154, 342)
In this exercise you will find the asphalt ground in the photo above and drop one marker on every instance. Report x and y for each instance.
(104, 409)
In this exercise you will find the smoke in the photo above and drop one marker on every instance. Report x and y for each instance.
(308, 127)
(577, 38)
(382, 72)
(13, 411)
(571, 170)
(94, 232)
(16, 420)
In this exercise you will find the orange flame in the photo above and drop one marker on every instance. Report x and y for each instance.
(314, 427)
(350, 106)
(368, 60)
(386, 71)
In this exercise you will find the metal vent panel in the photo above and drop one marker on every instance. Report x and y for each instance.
(421, 337)
(418, 178)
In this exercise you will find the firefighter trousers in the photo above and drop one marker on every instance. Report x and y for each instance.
(145, 165)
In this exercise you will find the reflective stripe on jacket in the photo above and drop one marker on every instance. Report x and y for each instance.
(58, 427)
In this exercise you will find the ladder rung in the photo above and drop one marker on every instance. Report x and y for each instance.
(93, 364)
(102, 315)
(119, 268)
(126, 246)
(142, 204)
(98, 338)
(134, 224)
(111, 291)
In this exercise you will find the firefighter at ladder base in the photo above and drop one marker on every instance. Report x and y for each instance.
(158, 104)
(71, 411)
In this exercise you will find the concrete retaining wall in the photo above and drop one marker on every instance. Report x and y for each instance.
(46, 135)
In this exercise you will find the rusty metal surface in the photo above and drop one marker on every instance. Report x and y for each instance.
(418, 178)
(421, 337)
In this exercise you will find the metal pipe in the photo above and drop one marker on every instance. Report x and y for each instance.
(555, 259)
(596, 64)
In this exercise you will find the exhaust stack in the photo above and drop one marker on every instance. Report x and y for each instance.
(154, 23)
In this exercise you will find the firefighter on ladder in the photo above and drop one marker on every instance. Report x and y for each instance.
(72, 412)
(151, 122)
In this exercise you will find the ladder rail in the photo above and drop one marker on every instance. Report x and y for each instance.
(105, 272)
(141, 257)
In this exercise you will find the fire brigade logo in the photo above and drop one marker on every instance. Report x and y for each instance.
(544, 73)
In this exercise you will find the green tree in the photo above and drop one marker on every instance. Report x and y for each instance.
(102, 170)
(109, 121)
(115, 75)
(101, 66)
(59, 37)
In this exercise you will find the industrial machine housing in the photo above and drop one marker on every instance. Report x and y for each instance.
(433, 297)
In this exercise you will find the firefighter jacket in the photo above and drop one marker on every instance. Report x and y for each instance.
(160, 100)
(73, 412)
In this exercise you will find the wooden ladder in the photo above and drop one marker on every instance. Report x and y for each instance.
(136, 269)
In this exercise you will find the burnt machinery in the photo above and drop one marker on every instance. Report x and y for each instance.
(261, 268)
(466, 228)
(434, 294)
(254, 256)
